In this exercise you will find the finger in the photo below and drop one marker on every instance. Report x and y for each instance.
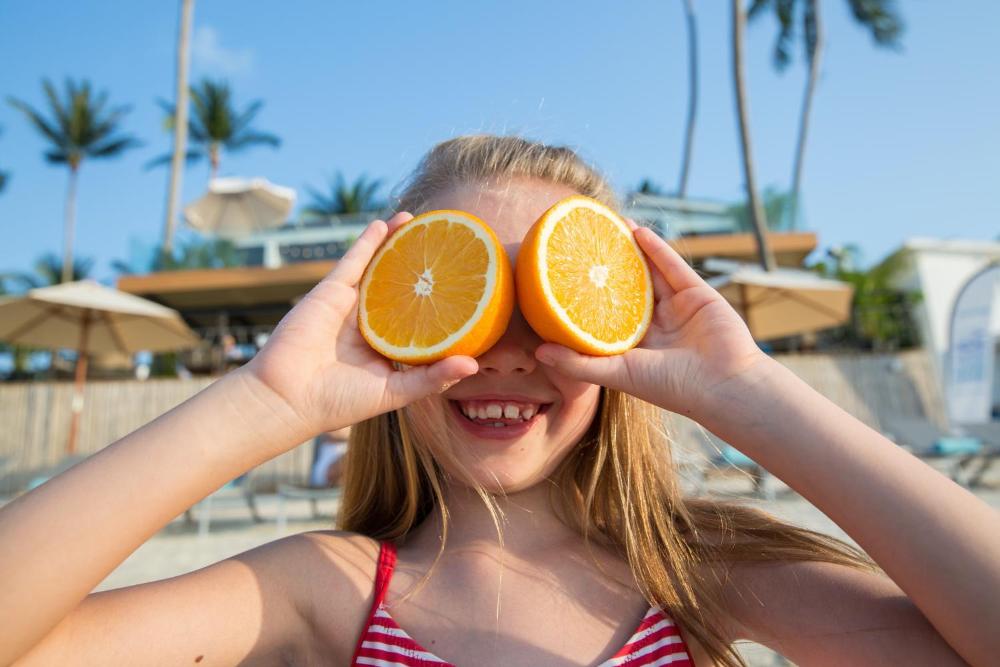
(352, 265)
(661, 288)
(607, 371)
(678, 273)
(631, 224)
(398, 220)
(408, 385)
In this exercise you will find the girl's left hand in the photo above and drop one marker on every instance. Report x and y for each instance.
(695, 343)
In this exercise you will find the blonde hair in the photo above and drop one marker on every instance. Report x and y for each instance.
(618, 487)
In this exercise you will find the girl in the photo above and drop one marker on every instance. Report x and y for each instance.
(598, 557)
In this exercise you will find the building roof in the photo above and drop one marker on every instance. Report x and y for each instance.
(957, 246)
(250, 295)
(261, 296)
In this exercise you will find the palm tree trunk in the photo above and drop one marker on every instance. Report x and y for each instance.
(692, 35)
(757, 216)
(800, 149)
(213, 159)
(180, 124)
(69, 225)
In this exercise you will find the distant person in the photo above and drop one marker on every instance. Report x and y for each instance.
(328, 463)
(602, 560)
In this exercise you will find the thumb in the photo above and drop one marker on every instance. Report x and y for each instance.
(607, 371)
(406, 386)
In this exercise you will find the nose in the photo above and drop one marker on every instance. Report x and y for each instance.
(514, 353)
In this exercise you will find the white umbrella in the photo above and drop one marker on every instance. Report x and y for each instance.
(782, 302)
(234, 206)
(92, 319)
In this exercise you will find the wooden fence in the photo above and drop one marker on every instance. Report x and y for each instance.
(35, 416)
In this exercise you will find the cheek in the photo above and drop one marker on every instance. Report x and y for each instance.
(578, 410)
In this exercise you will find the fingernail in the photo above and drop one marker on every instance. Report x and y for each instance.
(545, 357)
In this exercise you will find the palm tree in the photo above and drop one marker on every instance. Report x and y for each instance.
(878, 16)
(647, 186)
(692, 39)
(217, 126)
(80, 127)
(181, 126)
(48, 271)
(757, 218)
(342, 198)
(777, 209)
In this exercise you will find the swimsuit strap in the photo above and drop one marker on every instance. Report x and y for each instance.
(386, 564)
(383, 575)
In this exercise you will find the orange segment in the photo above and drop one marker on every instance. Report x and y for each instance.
(582, 280)
(440, 285)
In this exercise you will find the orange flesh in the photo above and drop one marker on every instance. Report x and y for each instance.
(596, 275)
(427, 286)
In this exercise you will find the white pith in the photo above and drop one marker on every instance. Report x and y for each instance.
(506, 410)
(545, 233)
(424, 287)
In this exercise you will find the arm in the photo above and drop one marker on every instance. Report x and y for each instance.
(823, 614)
(938, 542)
(62, 539)
(58, 542)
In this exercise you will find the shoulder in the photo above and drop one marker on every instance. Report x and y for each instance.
(815, 612)
(330, 575)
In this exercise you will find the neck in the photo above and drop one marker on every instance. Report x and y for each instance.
(526, 518)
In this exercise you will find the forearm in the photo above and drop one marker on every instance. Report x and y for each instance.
(59, 541)
(937, 541)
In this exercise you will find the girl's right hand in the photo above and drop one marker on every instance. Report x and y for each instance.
(317, 362)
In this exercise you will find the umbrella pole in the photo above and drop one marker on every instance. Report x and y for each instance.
(81, 377)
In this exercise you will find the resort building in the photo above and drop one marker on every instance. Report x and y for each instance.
(280, 265)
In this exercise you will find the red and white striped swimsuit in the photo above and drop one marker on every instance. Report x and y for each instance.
(657, 641)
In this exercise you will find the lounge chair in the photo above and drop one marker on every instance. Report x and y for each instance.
(15, 482)
(958, 450)
(698, 453)
(306, 489)
(239, 490)
(989, 435)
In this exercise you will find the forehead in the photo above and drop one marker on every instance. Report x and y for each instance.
(509, 208)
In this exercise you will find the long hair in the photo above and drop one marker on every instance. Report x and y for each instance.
(618, 487)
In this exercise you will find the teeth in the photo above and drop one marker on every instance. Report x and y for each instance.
(494, 411)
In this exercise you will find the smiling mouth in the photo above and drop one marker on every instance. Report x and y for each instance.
(499, 414)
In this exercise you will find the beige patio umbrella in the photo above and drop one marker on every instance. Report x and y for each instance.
(783, 302)
(92, 319)
(236, 206)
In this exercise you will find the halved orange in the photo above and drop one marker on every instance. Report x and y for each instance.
(582, 280)
(440, 285)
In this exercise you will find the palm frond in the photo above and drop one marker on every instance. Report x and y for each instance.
(79, 124)
(57, 156)
(52, 133)
(114, 147)
(251, 138)
(191, 156)
(243, 120)
(882, 18)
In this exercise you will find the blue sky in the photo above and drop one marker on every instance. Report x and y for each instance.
(904, 144)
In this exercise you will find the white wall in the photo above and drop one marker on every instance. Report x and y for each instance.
(939, 269)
